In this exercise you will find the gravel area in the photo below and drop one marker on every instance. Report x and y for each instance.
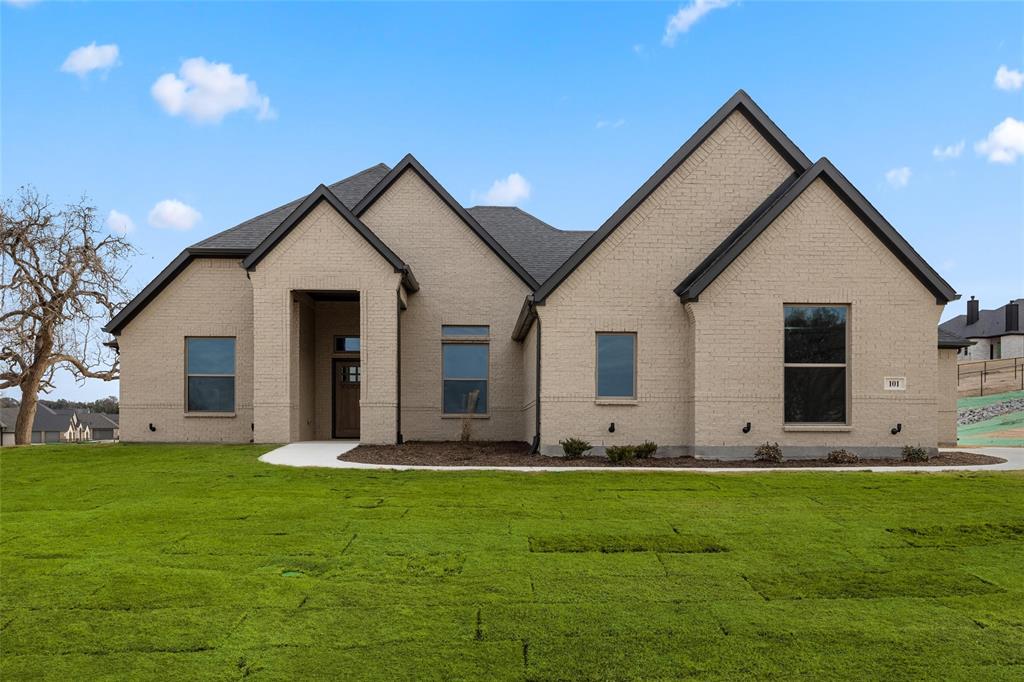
(979, 414)
(518, 454)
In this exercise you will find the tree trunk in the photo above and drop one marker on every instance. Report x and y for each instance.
(27, 411)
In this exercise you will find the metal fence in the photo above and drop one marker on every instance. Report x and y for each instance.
(992, 376)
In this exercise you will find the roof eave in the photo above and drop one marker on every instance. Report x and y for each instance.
(527, 314)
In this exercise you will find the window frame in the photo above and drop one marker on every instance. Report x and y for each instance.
(467, 340)
(334, 348)
(597, 368)
(233, 375)
(847, 393)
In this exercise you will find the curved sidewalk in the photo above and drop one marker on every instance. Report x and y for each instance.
(324, 454)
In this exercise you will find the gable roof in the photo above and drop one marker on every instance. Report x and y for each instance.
(323, 194)
(990, 324)
(744, 235)
(537, 246)
(950, 340)
(409, 162)
(239, 241)
(740, 102)
(47, 418)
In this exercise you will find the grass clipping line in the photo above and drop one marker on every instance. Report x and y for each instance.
(674, 544)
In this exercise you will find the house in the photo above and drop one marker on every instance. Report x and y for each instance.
(100, 426)
(742, 294)
(49, 426)
(996, 334)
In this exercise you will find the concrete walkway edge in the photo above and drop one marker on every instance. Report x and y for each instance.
(324, 454)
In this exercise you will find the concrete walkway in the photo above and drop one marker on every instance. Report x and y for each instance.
(324, 453)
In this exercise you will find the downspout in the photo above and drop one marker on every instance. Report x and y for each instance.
(536, 439)
(398, 368)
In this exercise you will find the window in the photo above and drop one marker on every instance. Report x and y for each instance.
(815, 364)
(346, 344)
(465, 369)
(616, 365)
(210, 374)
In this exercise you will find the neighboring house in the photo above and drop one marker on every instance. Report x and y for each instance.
(100, 426)
(995, 334)
(742, 294)
(49, 426)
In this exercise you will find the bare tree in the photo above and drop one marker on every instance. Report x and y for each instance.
(60, 278)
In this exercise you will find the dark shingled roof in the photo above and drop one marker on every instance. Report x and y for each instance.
(991, 323)
(948, 340)
(47, 419)
(537, 246)
(249, 234)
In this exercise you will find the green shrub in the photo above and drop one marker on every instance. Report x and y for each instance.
(914, 454)
(841, 456)
(768, 453)
(574, 447)
(646, 449)
(621, 454)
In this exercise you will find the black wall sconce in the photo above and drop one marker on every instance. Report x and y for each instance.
(746, 429)
(611, 428)
(151, 427)
(896, 429)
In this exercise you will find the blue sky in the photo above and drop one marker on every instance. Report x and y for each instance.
(582, 102)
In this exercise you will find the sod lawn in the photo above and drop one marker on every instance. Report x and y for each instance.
(199, 562)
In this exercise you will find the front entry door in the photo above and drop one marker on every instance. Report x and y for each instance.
(345, 398)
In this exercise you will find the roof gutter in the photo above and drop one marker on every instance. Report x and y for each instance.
(527, 314)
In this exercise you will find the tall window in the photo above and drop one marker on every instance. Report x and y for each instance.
(815, 364)
(616, 365)
(465, 360)
(210, 374)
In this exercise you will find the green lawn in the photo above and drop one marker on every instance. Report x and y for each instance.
(177, 562)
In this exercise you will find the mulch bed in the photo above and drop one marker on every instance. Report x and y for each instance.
(512, 453)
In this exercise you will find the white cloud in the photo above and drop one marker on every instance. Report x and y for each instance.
(206, 92)
(898, 177)
(610, 124)
(509, 191)
(90, 57)
(121, 223)
(687, 16)
(172, 214)
(951, 151)
(21, 3)
(1005, 143)
(1009, 79)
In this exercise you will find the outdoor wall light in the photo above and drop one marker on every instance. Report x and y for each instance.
(896, 429)
(746, 429)
(611, 428)
(151, 427)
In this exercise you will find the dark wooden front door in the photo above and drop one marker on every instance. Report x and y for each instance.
(345, 398)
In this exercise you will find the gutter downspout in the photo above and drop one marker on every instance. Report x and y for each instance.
(398, 368)
(536, 439)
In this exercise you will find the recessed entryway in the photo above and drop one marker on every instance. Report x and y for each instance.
(346, 376)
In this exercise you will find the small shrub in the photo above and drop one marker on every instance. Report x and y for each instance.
(574, 447)
(914, 454)
(646, 449)
(768, 452)
(842, 457)
(621, 454)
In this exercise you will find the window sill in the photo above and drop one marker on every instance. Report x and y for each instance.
(616, 401)
(210, 415)
(465, 416)
(818, 428)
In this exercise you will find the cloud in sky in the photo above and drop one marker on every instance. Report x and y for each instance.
(206, 92)
(687, 16)
(1009, 79)
(1004, 143)
(92, 57)
(171, 214)
(509, 191)
(898, 177)
(610, 124)
(120, 223)
(950, 151)
(20, 3)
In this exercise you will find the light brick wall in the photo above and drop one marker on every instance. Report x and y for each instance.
(462, 282)
(817, 251)
(333, 318)
(946, 397)
(210, 297)
(529, 413)
(325, 253)
(626, 285)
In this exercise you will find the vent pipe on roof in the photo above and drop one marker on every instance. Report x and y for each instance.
(972, 310)
(1012, 317)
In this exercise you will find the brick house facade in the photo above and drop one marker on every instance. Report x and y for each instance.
(741, 295)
